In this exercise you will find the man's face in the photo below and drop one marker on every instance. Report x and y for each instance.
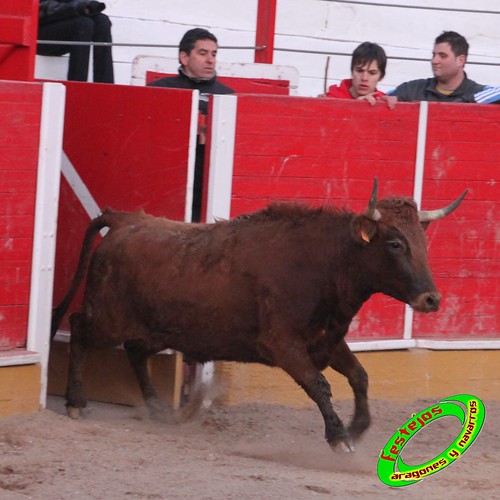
(445, 64)
(365, 78)
(200, 63)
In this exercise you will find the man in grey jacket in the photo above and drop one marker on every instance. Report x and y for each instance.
(450, 82)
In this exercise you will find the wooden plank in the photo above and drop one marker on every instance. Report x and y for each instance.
(19, 139)
(251, 85)
(16, 293)
(17, 204)
(15, 271)
(12, 160)
(465, 268)
(17, 181)
(324, 148)
(20, 92)
(16, 226)
(20, 389)
(298, 166)
(14, 325)
(449, 326)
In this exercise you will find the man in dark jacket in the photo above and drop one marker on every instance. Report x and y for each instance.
(450, 82)
(197, 58)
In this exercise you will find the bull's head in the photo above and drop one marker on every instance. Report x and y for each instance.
(392, 233)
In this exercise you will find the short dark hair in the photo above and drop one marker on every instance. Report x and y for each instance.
(192, 36)
(458, 43)
(368, 52)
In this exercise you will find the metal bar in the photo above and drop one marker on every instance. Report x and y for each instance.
(151, 45)
(422, 7)
(399, 58)
(237, 47)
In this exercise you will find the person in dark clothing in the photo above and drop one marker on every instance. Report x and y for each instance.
(197, 58)
(450, 82)
(77, 21)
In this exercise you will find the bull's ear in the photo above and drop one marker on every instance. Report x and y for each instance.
(425, 225)
(363, 229)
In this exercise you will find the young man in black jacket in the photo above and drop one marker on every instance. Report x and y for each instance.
(197, 58)
(450, 82)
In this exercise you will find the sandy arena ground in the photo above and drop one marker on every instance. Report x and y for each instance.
(251, 451)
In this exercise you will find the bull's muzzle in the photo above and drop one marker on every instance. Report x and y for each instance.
(426, 302)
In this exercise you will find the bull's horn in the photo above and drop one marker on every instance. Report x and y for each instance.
(430, 215)
(371, 212)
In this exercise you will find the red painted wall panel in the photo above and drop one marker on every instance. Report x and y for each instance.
(19, 21)
(462, 151)
(130, 147)
(324, 151)
(19, 139)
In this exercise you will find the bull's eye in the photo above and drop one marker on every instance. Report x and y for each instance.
(396, 246)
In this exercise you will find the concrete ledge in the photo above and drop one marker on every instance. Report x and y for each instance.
(18, 357)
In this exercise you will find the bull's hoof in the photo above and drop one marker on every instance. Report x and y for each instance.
(73, 412)
(347, 447)
(343, 443)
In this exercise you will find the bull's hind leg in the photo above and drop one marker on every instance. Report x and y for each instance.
(138, 356)
(75, 397)
(348, 365)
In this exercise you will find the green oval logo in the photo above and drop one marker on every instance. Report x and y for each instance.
(468, 409)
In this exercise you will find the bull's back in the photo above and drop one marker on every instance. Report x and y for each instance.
(161, 279)
(201, 288)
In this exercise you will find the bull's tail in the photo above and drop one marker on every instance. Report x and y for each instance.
(94, 227)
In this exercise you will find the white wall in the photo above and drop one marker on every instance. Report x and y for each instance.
(340, 27)
(308, 25)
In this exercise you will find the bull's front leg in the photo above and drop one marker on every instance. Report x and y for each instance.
(346, 363)
(335, 433)
(291, 355)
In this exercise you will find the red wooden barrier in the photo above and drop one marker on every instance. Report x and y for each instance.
(19, 22)
(325, 151)
(462, 151)
(240, 84)
(19, 137)
(130, 147)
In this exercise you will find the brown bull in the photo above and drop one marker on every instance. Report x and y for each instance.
(279, 286)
